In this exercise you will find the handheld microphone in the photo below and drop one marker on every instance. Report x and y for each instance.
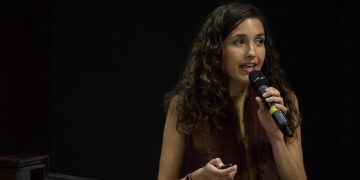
(259, 83)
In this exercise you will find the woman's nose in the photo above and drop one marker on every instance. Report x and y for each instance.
(251, 49)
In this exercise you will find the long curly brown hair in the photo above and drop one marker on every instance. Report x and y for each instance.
(203, 88)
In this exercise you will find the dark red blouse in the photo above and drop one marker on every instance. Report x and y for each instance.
(228, 144)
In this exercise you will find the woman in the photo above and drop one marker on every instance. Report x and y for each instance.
(215, 118)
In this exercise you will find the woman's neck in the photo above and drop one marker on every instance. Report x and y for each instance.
(239, 91)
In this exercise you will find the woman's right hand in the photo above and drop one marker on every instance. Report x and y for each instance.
(212, 171)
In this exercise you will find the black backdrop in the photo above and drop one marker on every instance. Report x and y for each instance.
(84, 80)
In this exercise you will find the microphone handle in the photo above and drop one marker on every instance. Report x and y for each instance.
(277, 114)
(282, 122)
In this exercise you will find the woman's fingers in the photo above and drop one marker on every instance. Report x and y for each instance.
(271, 91)
(214, 168)
(216, 162)
(276, 99)
(273, 95)
(282, 108)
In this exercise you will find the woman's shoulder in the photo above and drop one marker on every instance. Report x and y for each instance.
(176, 101)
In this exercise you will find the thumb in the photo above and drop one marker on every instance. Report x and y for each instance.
(233, 172)
(260, 103)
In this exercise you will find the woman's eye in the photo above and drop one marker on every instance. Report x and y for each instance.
(259, 42)
(239, 41)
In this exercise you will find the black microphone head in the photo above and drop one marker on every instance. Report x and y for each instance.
(257, 79)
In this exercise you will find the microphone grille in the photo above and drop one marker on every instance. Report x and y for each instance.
(257, 79)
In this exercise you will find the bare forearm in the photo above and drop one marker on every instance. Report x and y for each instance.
(288, 167)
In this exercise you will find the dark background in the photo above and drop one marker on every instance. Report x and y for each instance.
(83, 80)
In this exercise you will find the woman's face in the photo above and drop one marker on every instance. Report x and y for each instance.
(244, 50)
